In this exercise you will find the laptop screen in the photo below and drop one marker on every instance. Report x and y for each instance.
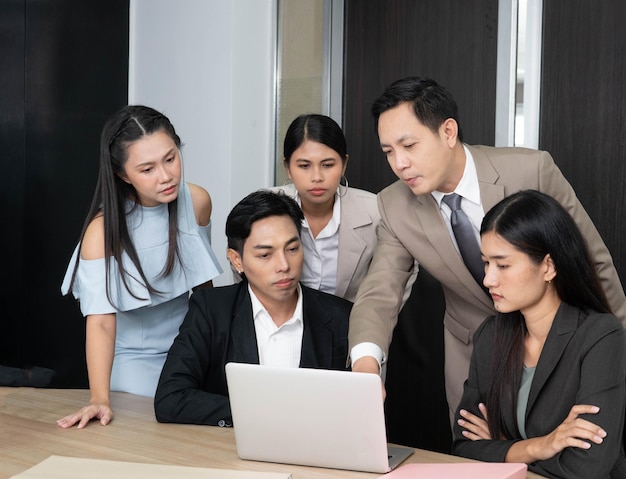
(311, 417)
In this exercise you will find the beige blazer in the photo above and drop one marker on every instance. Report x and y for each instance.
(412, 228)
(357, 237)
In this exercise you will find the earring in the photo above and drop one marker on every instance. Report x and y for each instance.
(549, 281)
(343, 182)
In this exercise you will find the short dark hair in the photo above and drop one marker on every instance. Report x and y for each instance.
(432, 103)
(257, 206)
(319, 128)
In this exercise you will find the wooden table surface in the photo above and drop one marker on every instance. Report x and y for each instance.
(29, 434)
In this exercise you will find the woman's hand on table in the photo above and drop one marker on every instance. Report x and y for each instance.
(101, 412)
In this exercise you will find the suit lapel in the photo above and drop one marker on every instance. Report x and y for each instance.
(435, 229)
(490, 193)
(563, 328)
(316, 338)
(243, 344)
(351, 244)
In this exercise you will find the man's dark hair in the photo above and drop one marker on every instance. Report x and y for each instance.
(257, 206)
(432, 103)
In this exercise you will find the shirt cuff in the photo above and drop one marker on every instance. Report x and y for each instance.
(368, 349)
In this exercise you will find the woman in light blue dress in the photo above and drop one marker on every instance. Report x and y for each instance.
(155, 230)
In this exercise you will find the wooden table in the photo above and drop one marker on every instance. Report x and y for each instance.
(29, 434)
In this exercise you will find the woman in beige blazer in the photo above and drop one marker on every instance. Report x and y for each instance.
(339, 233)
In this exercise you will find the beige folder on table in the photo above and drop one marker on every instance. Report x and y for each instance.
(59, 467)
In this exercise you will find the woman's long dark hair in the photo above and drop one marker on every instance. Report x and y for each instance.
(535, 224)
(125, 127)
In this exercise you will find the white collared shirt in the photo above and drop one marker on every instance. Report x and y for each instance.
(278, 346)
(471, 203)
(319, 270)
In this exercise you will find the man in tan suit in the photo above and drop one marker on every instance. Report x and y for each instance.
(420, 135)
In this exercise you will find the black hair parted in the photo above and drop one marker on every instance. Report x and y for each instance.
(314, 127)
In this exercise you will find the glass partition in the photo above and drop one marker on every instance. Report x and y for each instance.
(300, 68)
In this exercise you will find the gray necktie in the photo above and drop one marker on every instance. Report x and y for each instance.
(465, 239)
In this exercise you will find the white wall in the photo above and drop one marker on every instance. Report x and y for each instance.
(209, 66)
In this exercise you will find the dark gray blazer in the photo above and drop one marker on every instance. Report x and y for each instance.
(583, 362)
(218, 329)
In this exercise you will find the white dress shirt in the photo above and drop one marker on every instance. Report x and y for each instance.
(278, 346)
(319, 270)
(471, 204)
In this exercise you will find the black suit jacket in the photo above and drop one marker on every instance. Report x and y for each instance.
(218, 329)
(583, 361)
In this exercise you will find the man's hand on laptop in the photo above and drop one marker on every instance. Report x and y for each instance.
(368, 364)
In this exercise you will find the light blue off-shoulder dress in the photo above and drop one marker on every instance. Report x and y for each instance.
(146, 327)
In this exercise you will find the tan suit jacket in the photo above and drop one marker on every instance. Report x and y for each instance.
(412, 228)
(357, 237)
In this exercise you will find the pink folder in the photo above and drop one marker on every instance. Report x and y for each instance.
(465, 470)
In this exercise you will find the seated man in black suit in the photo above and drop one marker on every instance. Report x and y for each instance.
(269, 318)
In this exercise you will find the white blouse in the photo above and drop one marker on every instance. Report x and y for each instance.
(319, 270)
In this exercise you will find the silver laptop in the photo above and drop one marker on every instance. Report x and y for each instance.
(311, 417)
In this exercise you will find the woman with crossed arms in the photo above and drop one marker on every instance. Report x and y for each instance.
(547, 377)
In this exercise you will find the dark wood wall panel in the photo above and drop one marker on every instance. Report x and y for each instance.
(583, 108)
(69, 72)
(12, 150)
(453, 42)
